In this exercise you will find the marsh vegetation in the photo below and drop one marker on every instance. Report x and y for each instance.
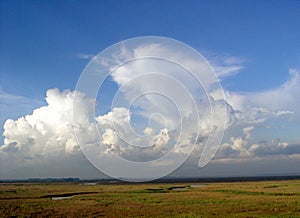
(239, 199)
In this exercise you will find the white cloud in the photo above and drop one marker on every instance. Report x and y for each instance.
(85, 56)
(46, 131)
(120, 138)
(47, 134)
(111, 139)
(226, 65)
(148, 131)
(257, 107)
(252, 110)
(247, 131)
(240, 148)
(36, 142)
(118, 116)
(162, 138)
(275, 147)
(281, 100)
(280, 113)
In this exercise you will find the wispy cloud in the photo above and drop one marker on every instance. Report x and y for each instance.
(85, 56)
(226, 65)
(12, 106)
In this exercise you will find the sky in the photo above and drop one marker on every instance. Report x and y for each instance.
(253, 46)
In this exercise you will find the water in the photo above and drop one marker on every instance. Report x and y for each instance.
(61, 198)
(198, 185)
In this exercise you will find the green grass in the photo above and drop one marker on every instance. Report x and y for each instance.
(239, 199)
(238, 192)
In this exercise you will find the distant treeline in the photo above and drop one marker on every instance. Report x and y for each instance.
(227, 179)
(70, 179)
(163, 180)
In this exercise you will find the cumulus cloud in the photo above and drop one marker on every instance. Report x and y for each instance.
(47, 131)
(257, 107)
(120, 138)
(47, 134)
(260, 110)
(240, 147)
(41, 138)
(275, 147)
(279, 101)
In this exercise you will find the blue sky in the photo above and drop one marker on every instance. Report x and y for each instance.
(40, 40)
(47, 44)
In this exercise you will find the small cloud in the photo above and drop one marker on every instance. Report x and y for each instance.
(84, 56)
(280, 113)
(247, 131)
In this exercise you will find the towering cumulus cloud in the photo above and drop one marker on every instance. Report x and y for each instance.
(47, 131)
(47, 135)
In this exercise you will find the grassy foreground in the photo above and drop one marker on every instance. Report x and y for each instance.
(237, 199)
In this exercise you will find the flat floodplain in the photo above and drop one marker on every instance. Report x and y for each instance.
(229, 199)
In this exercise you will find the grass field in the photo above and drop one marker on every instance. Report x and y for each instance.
(236, 199)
